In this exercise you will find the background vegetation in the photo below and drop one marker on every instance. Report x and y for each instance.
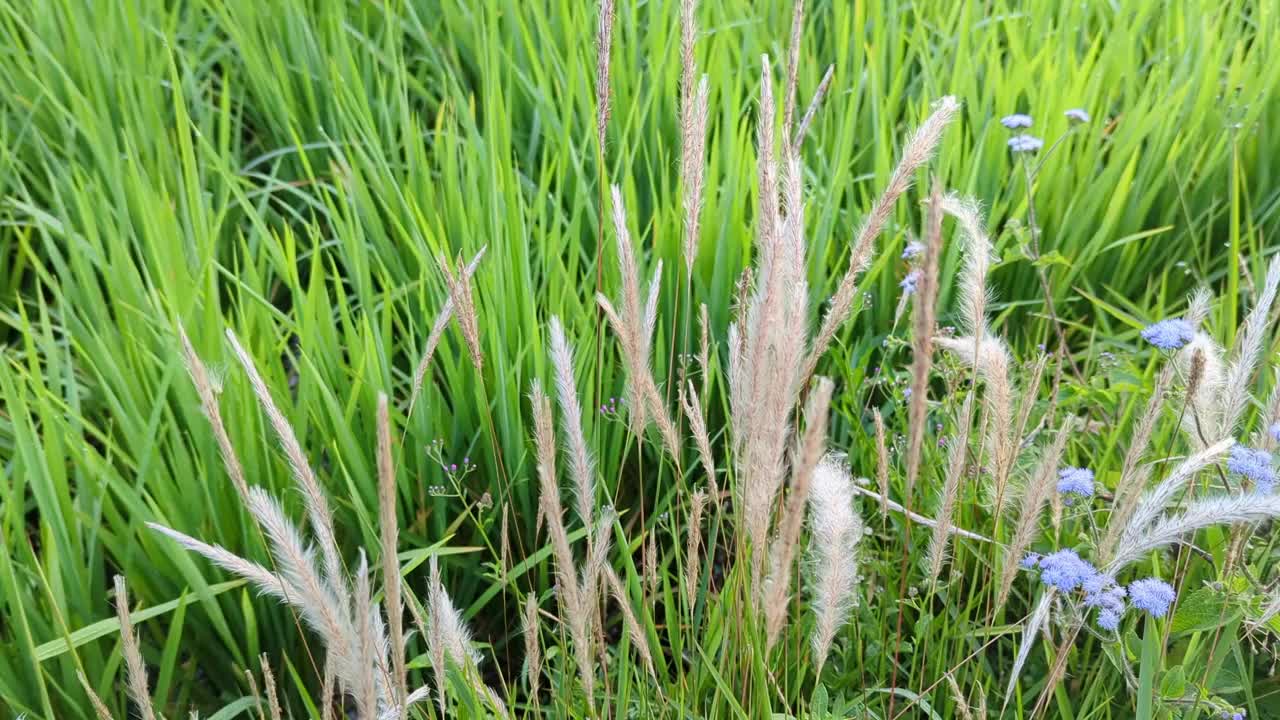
(293, 169)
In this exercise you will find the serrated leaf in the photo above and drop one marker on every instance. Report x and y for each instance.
(1204, 609)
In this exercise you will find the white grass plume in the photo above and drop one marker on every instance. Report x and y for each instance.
(767, 351)
(692, 404)
(836, 531)
(99, 708)
(367, 624)
(957, 457)
(390, 535)
(1035, 623)
(990, 358)
(317, 503)
(604, 44)
(923, 312)
(1133, 472)
(459, 285)
(437, 331)
(448, 639)
(1161, 497)
(532, 645)
(581, 463)
(1042, 487)
(633, 324)
(882, 462)
(269, 683)
(693, 565)
(777, 590)
(823, 87)
(638, 638)
(209, 403)
(1220, 510)
(1203, 417)
(974, 294)
(693, 133)
(135, 668)
(1247, 350)
(918, 150)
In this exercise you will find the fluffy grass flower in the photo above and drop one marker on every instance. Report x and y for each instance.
(836, 529)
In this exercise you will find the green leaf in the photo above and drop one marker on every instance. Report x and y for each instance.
(1204, 609)
(1174, 683)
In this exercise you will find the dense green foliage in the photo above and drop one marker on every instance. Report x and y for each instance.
(294, 169)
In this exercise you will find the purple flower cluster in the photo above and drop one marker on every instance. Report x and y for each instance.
(1025, 143)
(1103, 593)
(1253, 464)
(1065, 570)
(1077, 115)
(1068, 572)
(1169, 334)
(910, 282)
(1151, 594)
(1275, 431)
(1075, 481)
(915, 248)
(1016, 121)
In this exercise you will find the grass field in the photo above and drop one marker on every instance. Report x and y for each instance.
(299, 173)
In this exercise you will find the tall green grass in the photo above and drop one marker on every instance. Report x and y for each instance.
(293, 169)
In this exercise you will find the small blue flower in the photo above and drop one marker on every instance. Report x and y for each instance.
(1025, 143)
(913, 249)
(1275, 431)
(1075, 481)
(910, 282)
(1065, 570)
(1077, 115)
(1253, 464)
(1151, 594)
(1169, 334)
(1016, 121)
(1103, 593)
(906, 394)
(1030, 561)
